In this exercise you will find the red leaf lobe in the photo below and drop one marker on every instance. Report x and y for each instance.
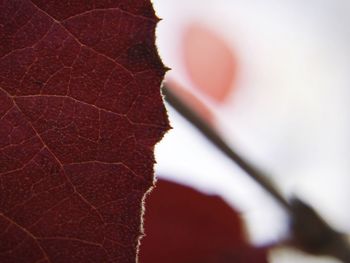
(75, 157)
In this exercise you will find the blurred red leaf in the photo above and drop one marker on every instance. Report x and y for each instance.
(185, 226)
(80, 113)
(210, 62)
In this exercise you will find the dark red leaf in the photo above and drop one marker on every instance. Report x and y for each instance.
(186, 226)
(80, 112)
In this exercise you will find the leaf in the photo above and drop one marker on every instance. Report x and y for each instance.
(186, 226)
(210, 62)
(80, 113)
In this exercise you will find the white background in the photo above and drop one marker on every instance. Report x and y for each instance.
(289, 113)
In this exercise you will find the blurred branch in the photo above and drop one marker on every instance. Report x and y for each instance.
(313, 235)
(210, 134)
(309, 231)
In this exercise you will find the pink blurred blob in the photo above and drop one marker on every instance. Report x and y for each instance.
(209, 61)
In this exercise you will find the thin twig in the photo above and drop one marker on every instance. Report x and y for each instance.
(309, 231)
(211, 135)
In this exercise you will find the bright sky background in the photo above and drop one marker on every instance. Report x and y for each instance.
(289, 113)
